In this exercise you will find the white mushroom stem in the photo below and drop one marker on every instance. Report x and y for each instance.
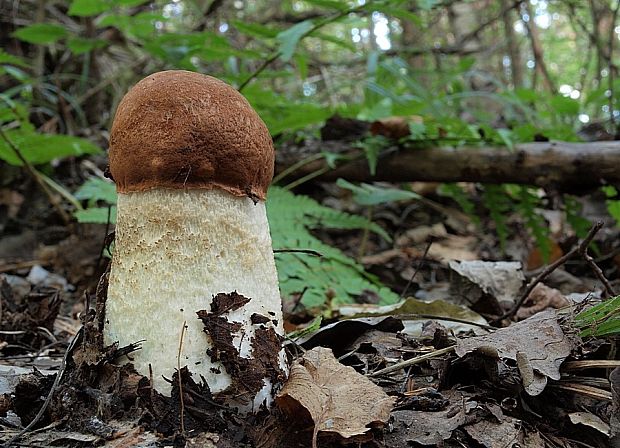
(174, 251)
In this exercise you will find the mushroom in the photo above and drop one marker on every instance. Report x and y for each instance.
(192, 162)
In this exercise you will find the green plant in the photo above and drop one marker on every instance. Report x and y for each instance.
(613, 204)
(602, 319)
(101, 199)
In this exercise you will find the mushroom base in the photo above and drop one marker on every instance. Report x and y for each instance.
(174, 251)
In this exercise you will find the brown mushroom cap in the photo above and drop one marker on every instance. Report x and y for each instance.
(180, 129)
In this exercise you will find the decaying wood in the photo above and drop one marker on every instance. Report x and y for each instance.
(561, 165)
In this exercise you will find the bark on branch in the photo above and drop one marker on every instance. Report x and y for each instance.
(561, 165)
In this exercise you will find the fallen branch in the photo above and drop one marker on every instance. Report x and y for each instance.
(562, 165)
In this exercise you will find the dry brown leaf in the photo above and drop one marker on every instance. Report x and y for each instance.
(496, 435)
(499, 279)
(337, 398)
(537, 343)
(541, 298)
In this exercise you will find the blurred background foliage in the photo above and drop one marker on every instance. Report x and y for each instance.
(494, 71)
(522, 65)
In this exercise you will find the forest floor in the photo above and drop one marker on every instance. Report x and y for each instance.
(451, 371)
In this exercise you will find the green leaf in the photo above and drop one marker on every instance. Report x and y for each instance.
(281, 114)
(86, 8)
(348, 45)
(141, 26)
(130, 3)
(97, 189)
(401, 13)
(564, 106)
(80, 45)
(96, 215)
(527, 95)
(255, 29)
(40, 33)
(288, 39)
(602, 319)
(6, 58)
(329, 4)
(366, 194)
(613, 207)
(43, 148)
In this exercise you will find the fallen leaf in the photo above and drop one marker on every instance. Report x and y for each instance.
(337, 398)
(414, 313)
(496, 435)
(589, 419)
(501, 280)
(426, 428)
(537, 344)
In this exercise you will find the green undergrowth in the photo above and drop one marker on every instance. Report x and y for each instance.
(600, 320)
(331, 277)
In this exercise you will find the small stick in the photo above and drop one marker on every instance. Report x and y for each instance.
(428, 246)
(598, 272)
(412, 361)
(298, 251)
(179, 378)
(583, 246)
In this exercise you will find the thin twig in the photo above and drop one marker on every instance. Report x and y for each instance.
(182, 411)
(597, 271)
(299, 251)
(580, 249)
(412, 361)
(428, 246)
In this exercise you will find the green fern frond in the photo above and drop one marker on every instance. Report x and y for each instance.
(334, 275)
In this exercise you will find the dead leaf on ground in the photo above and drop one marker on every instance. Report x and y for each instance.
(340, 335)
(501, 280)
(454, 247)
(589, 419)
(409, 310)
(428, 428)
(337, 398)
(537, 344)
(496, 435)
(541, 298)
